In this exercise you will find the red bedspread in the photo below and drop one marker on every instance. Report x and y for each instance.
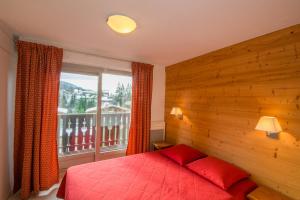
(141, 176)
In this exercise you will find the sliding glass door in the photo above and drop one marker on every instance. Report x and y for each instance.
(93, 115)
(78, 95)
(115, 112)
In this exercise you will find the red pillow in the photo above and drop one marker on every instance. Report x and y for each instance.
(221, 173)
(240, 189)
(182, 154)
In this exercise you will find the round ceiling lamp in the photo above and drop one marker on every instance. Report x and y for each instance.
(121, 24)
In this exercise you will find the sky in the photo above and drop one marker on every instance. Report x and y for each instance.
(109, 81)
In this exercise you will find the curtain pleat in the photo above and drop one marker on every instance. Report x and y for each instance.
(139, 132)
(35, 146)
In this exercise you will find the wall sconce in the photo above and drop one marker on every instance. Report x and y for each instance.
(270, 125)
(177, 112)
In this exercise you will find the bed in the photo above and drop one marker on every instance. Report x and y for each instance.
(143, 176)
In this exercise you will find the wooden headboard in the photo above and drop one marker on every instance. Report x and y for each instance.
(224, 93)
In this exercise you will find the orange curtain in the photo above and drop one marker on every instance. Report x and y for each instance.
(139, 133)
(35, 147)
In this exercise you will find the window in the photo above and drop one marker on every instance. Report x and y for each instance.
(83, 116)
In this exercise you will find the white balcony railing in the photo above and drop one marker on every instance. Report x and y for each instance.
(77, 132)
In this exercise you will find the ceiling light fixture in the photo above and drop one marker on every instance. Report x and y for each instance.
(121, 24)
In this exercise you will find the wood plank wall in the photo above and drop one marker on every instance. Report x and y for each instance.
(223, 94)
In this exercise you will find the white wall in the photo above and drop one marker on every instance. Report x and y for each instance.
(158, 98)
(95, 61)
(6, 54)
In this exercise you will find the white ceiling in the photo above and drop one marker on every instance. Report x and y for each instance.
(168, 31)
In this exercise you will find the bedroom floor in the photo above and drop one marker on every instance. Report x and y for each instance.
(51, 196)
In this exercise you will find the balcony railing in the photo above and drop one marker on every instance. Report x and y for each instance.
(77, 132)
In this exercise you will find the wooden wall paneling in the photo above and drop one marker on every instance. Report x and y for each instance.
(223, 94)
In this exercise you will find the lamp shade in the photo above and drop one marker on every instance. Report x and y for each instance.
(268, 124)
(176, 111)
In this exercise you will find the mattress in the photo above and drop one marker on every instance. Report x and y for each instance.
(139, 177)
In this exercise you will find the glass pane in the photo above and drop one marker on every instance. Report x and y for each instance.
(115, 112)
(77, 113)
